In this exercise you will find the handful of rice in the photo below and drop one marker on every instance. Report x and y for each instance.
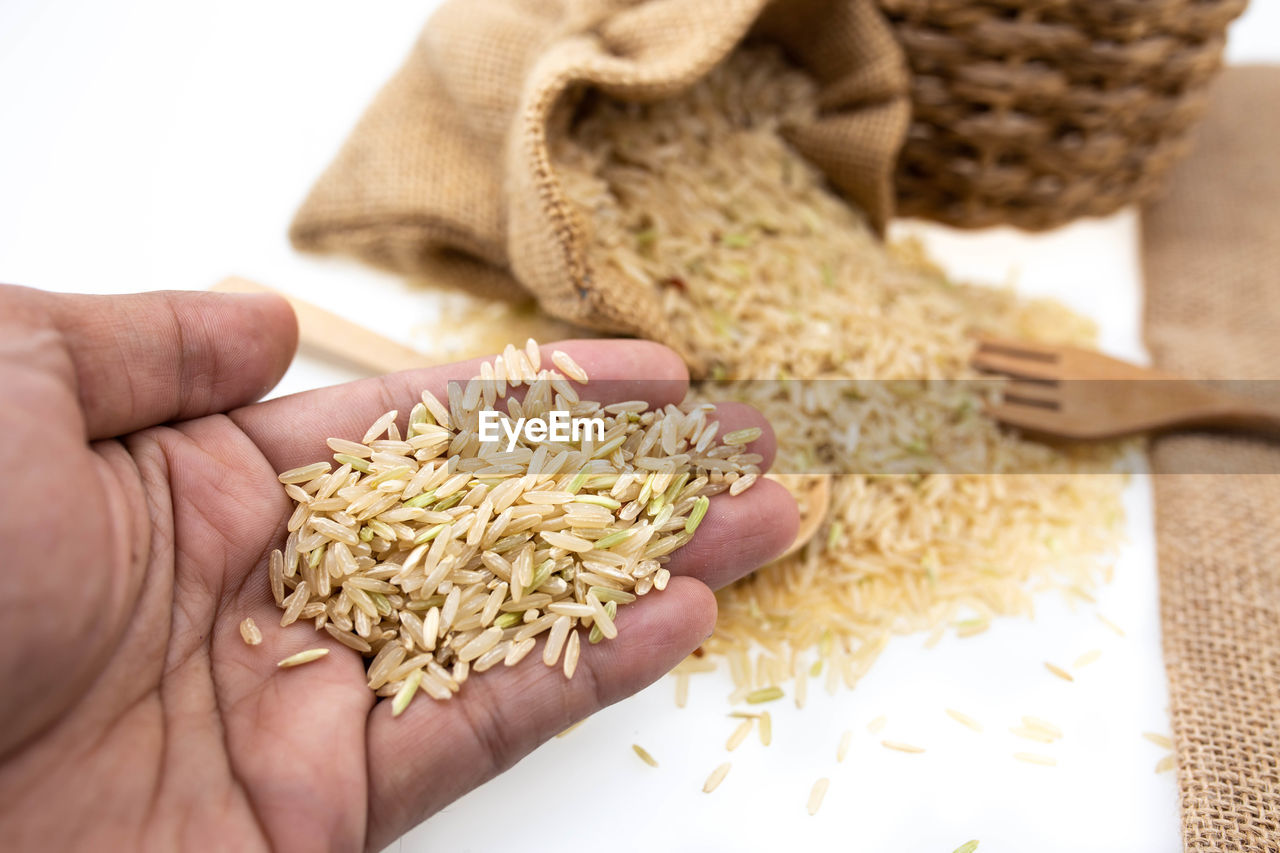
(435, 553)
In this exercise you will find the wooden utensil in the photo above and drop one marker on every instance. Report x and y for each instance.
(817, 494)
(336, 336)
(1076, 393)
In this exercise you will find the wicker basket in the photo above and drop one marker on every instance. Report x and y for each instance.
(1035, 112)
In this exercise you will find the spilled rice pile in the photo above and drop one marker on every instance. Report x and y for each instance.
(766, 274)
(436, 554)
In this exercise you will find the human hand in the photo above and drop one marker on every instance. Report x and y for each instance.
(141, 507)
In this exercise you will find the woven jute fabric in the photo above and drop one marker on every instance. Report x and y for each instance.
(1212, 264)
(449, 169)
(1035, 112)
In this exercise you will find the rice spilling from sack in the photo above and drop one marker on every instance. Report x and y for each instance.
(435, 554)
(766, 273)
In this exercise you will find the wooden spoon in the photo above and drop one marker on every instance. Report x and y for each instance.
(816, 491)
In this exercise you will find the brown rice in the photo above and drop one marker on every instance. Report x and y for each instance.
(716, 777)
(764, 272)
(437, 555)
(249, 632)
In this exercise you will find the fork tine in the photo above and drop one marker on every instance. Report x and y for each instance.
(1032, 394)
(1011, 365)
(1034, 418)
(1026, 349)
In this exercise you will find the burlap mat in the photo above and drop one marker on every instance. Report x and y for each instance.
(448, 174)
(1212, 265)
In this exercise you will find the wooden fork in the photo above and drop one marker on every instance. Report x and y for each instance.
(1076, 393)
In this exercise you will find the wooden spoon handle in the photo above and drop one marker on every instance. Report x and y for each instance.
(337, 336)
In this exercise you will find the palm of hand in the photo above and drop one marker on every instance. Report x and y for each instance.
(135, 714)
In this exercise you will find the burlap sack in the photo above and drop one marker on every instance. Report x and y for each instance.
(1212, 263)
(448, 174)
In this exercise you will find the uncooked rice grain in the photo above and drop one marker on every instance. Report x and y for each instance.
(1087, 658)
(1032, 734)
(379, 426)
(739, 735)
(571, 651)
(901, 747)
(816, 794)
(302, 657)
(1164, 765)
(249, 632)
(1162, 741)
(1035, 758)
(764, 272)
(964, 719)
(436, 555)
(1042, 725)
(764, 694)
(716, 777)
(565, 362)
(644, 755)
(1119, 632)
(843, 749)
(682, 689)
(406, 693)
(305, 473)
(1059, 671)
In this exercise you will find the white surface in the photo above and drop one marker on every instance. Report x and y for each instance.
(152, 145)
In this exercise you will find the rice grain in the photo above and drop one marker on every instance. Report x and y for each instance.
(406, 693)
(1087, 658)
(964, 719)
(901, 747)
(762, 271)
(843, 749)
(302, 657)
(764, 694)
(249, 632)
(816, 794)
(739, 735)
(571, 651)
(716, 777)
(682, 689)
(1059, 671)
(644, 755)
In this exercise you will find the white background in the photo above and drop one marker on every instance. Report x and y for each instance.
(148, 145)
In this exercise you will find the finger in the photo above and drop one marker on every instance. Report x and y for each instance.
(736, 416)
(291, 431)
(739, 535)
(436, 751)
(149, 358)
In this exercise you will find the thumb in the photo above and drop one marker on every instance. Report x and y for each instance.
(144, 359)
